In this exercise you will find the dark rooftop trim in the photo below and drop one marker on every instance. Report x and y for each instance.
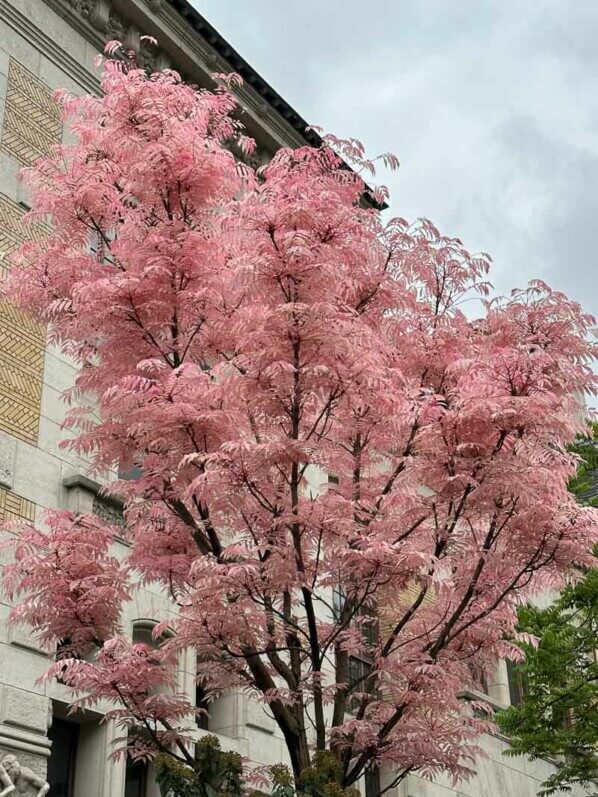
(249, 75)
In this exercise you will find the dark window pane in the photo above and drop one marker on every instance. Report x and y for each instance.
(61, 764)
(369, 629)
(338, 601)
(134, 473)
(372, 782)
(135, 779)
(201, 702)
(517, 685)
(356, 670)
(142, 634)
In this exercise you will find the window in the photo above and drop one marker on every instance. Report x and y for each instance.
(64, 650)
(130, 475)
(367, 615)
(359, 677)
(361, 680)
(372, 782)
(360, 665)
(135, 778)
(143, 635)
(479, 678)
(517, 684)
(202, 719)
(61, 764)
(338, 601)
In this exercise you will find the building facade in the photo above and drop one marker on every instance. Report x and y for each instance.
(45, 45)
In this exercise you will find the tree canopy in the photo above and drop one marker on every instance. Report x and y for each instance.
(346, 484)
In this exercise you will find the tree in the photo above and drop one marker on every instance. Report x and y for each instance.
(558, 715)
(346, 485)
(216, 773)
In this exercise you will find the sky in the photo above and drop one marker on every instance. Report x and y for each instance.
(490, 105)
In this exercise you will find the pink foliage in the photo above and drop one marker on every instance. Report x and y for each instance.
(245, 334)
(71, 588)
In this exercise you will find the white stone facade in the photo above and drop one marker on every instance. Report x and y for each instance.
(44, 45)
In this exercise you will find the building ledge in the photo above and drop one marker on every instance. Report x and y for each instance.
(82, 482)
(482, 697)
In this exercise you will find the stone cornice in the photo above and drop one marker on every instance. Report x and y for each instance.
(216, 55)
(81, 481)
(183, 36)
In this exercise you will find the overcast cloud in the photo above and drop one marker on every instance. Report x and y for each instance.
(491, 106)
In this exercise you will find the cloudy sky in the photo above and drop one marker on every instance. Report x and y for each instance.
(491, 106)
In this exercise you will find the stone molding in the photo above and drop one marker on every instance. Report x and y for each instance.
(482, 697)
(98, 21)
(80, 481)
(25, 741)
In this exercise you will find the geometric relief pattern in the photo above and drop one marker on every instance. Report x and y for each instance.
(31, 117)
(15, 507)
(22, 340)
(14, 231)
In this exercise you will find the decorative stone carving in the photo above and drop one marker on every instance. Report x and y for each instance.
(131, 39)
(97, 12)
(108, 511)
(155, 5)
(86, 7)
(147, 57)
(115, 28)
(17, 779)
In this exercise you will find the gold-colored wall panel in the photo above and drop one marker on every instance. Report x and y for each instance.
(14, 231)
(15, 507)
(22, 340)
(31, 117)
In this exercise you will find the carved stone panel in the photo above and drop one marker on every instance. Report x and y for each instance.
(17, 778)
(31, 117)
(22, 340)
(24, 709)
(15, 507)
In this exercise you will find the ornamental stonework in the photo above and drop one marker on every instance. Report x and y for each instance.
(22, 340)
(108, 512)
(31, 117)
(15, 507)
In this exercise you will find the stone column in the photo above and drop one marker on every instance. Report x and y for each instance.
(498, 685)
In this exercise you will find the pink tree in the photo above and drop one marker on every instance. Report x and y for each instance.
(242, 336)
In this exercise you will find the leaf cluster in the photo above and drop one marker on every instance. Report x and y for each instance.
(558, 716)
(217, 773)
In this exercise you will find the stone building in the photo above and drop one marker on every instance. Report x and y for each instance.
(44, 45)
